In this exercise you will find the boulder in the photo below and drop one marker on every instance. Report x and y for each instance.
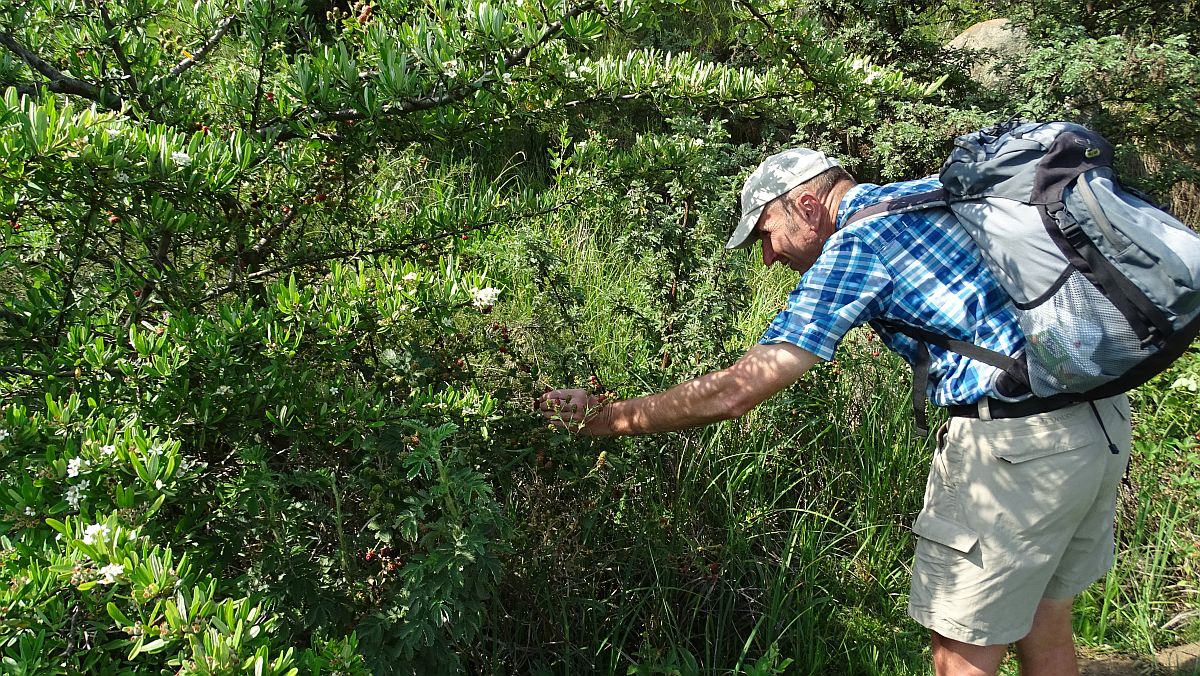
(987, 42)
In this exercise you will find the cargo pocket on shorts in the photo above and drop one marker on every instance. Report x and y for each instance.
(1024, 440)
(945, 532)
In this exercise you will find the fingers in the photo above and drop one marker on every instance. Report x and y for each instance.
(564, 403)
(568, 408)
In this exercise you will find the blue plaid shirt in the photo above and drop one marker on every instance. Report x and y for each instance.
(919, 269)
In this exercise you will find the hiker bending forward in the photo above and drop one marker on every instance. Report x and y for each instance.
(1019, 505)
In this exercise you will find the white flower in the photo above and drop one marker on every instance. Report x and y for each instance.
(75, 493)
(110, 573)
(113, 132)
(181, 158)
(158, 484)
(75, 466)
(29, 511)
(108, 449)
(95, 534)
(4, 434)
(122, 177)
(224, 389)
(410, 277)
(334, 390)
(485, 297)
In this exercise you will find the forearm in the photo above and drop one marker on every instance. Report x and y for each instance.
(707, 399)
(721, 395)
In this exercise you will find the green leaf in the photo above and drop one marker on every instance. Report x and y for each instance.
(59, 526)
(119, 617)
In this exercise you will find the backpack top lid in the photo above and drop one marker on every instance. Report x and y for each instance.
(1029, 161)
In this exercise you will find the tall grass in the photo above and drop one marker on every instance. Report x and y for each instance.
(778, 543)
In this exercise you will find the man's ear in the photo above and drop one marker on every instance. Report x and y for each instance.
(811, 207)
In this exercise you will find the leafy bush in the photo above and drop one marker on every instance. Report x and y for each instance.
(281, 279)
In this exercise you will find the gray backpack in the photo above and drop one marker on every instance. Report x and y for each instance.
(1106, 285)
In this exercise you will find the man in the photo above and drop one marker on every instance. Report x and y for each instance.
(1020, 500)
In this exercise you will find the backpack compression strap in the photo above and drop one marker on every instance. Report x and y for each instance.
(1013, 368)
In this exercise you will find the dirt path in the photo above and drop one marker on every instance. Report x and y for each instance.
(1181, 660)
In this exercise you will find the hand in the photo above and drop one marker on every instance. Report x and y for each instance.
(571, 410)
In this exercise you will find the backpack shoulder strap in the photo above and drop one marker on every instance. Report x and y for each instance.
(901, 205)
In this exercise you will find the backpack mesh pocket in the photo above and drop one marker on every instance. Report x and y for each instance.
(1077, 340)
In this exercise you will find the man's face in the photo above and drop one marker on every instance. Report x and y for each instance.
(790, 232)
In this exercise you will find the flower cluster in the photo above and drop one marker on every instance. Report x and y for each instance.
(95, 534)
(75, 493)
(110, 572)
(485, 297)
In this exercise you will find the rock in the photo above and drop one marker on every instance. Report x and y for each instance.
(988, 41)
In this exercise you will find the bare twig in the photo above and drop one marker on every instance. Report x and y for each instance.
(69, 293)
(222, 28)
(59, 83)
(160, 264)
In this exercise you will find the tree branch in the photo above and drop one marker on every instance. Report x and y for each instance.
(431, 101)
(345, 254)
(59, 83)
(797, 57)
(222, 28)
(23, 88)
(259, 249)
(17, 370)
(119, 51)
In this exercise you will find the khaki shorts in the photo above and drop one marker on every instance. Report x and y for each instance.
(1016, 511)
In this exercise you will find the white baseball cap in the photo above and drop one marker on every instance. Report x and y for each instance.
(777, 175)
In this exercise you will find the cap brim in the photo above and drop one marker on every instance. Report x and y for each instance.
(741, 236)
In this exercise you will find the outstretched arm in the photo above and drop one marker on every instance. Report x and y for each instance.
(720, 395)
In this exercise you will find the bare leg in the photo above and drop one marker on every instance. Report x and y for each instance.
(1049, 648)
(955, 658)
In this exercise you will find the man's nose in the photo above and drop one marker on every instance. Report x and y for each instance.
(769, 256)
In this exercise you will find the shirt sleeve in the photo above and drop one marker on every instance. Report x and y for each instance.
(846, 287)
